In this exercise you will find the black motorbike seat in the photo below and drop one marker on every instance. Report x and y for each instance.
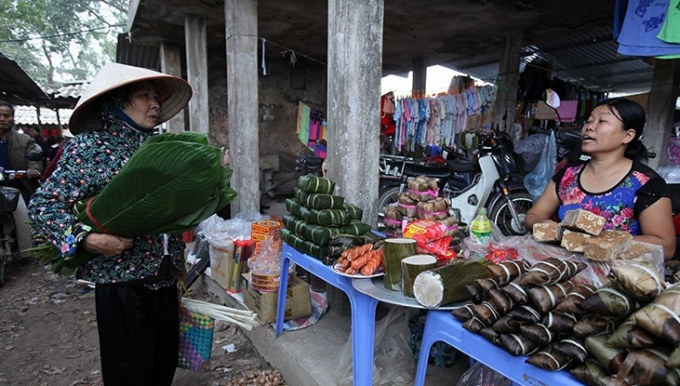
(459, 166)
(430, 171)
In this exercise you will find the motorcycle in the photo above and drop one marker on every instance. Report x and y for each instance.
(492, 181)
(10, 200)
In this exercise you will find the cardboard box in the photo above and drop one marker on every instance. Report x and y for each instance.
(221, 272)
(298, 303)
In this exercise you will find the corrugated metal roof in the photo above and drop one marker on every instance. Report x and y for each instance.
(27, 115)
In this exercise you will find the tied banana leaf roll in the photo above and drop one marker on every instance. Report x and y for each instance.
(660, 317)
(610, 358)
(573, 348)
(486, 313)
(640, 279)
(306, 247)
(341, 242)
(173, 182)
(318, 200)
(319, 234)
(647, 366)
(516, 292)
(487, 283)
(546, 297)
(518, 344)
(354, 211)
(673, 361)
(551, 271)
(313, 184)
(592, 374)
(526, 314)
(293, 206)
(447, 284)
(474, 325)
(491, 335)
(507, 325)
(549, 359)
(501, 302)
(477, 293)
(593, 324)
(507, 271)
(572, 303)
(629, 335)
(356, 227)
(539, 333)
(562, 323)
(463, 313)
(610, 301)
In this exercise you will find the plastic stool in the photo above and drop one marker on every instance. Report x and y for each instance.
(442, 326)
(363, 310)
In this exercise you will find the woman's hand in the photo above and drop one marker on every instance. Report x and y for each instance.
(107, 245)
(32, 173)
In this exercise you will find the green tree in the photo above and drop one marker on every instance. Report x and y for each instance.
(61, 40)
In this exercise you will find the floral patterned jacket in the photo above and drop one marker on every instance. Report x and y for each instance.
(89, 161)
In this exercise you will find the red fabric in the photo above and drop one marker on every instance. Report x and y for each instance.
(676, 222)
(53, 165)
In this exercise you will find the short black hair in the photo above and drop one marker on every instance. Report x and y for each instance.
(7, 104)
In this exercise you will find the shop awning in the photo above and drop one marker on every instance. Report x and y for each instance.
(16, 86)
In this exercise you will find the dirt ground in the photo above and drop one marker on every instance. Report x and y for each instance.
(48, 337)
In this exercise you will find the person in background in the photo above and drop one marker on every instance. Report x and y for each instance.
(54, 157)
(136, 292)
(35, 134)
(614, 183)
(14, 149)
(58, 145)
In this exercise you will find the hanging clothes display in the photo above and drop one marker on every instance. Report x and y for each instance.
(387, 109)
(640, 26)
(312, 129)
(436, 120)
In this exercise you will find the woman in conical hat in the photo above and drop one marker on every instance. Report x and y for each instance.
(136, 288)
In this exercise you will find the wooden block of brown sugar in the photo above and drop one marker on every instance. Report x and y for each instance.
(574, 241)
(547, 231)
(583, 221)
(608, 245)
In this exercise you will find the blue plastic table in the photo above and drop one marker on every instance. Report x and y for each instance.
(362, 306)
(442, 326)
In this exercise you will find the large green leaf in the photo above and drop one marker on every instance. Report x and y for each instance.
(168, 186)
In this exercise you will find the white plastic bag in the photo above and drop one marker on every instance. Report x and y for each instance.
(480, 375)
(537, 180)
(393, 359)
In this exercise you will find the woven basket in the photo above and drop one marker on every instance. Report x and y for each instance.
(195, 339)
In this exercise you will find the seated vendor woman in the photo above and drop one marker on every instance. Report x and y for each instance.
(613, 183)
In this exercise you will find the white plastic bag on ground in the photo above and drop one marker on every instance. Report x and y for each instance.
(393, 360)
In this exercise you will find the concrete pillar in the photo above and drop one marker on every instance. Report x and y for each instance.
(171, 63)
(660, 109)
(197, 72)
(508, 78)
(242, 96)
(355, 36)
(419, 65)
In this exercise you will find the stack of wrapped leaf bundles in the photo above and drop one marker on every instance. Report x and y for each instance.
(316, 215)
(421, 201)
(625, 332)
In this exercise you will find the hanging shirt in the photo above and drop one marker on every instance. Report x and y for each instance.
(621, 205)
(640, 27)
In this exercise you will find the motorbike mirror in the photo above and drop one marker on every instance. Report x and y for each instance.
(34, 156)
(552, 99)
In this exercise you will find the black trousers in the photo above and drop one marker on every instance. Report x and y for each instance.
(138, 334)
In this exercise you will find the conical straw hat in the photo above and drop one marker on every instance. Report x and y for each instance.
(174, 94)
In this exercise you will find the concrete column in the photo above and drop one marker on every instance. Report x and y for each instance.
(197, 72)
(171, 63)
(419, 65)
(508, 78)
(355, 30)
(660, 110)
(242, 96)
